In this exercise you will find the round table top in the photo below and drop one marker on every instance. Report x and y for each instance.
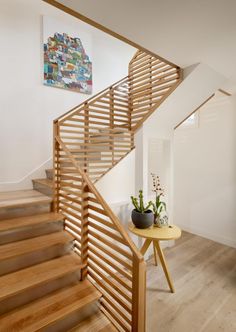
(170, 232)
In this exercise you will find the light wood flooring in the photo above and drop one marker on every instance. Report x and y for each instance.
(204, 275)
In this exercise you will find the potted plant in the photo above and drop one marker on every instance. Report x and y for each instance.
(158, 206)
(142, 216)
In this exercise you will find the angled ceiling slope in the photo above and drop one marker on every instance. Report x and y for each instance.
(70, 10)
(184, 32)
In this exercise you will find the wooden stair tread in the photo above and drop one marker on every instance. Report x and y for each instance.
(16, 282)
(98, 322)
(18, 248)
(11, 224)
(51, 308)
(44, 182)
(21, 198)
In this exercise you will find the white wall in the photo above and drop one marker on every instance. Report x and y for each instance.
(118, 184)
(199, 83)
(27, 107)
(205, 172)
(183, 31)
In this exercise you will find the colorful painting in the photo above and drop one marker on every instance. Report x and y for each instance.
(66, 64)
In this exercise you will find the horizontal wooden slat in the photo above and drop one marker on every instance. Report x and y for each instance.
(102, 221)
(76, 222)
(123, 262)
(98, 210)
(70, 206)
(70, 184)
(111, 264)
(144, 58)
(70, 177)
(118, 104)
(94, 115)
(150, 70)
(109, 285)
(73, 227)
(155, 91)
(107, 232)
(155, 73)
(74, 234)
(107, 300)
(67, 212)
(109, 311)
(110, 277)
(142, 66)
(110, 244)
(151, 79)
(159, 83)
(72, 199)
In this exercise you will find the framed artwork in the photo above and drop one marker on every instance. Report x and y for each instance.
(66, 63)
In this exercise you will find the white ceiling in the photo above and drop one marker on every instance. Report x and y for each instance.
(183, 31)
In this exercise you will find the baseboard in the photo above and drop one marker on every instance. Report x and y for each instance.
(26, 181)
(214, 237)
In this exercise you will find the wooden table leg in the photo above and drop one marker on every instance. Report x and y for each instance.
(155, 253)
(163, 263)
(145, 246)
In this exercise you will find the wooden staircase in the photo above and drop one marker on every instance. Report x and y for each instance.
(40, 276)
(65, 252)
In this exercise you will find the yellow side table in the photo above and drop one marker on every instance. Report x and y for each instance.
(155, 235)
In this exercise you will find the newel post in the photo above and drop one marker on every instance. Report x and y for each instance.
(84, 229)
(139, 296)
(130, 104)
(56, 168)
(112, 138)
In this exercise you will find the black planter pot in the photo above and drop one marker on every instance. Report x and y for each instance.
(142, 220)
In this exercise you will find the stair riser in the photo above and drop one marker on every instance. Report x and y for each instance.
(49, 174)
(38, 291)
(30, 232)
(72, 320)
(24, 211)
(43, 189)
(27, 260)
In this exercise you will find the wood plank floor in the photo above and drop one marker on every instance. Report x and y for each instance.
(204, 275)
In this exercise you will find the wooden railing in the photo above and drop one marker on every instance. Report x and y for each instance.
(88, 141)
(97, 132)
(113, 263)
(151, 81)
